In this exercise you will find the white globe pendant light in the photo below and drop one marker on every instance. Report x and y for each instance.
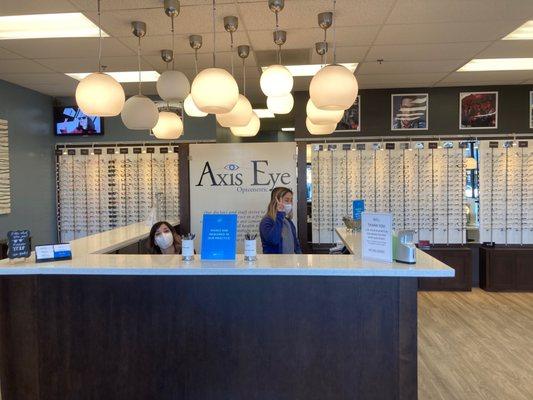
(333, 88)
(215, 91)
(99, 94)
(322, 117)
(250, 129)
(191, 109)
(276, 81)
(173, 86)
(139, 113)
(280, 104)
(319, 129)
(169, 126)
(240, 115)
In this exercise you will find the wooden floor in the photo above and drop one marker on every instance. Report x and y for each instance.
(475, 345)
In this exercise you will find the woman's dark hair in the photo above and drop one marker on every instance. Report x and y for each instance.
(153, 247)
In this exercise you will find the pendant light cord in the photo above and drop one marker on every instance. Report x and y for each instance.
(214, 36)
(99, 39)
(334, 37)
(196, 61)
(243, 78)
(172, 30)
(139, 63)
(231, 46)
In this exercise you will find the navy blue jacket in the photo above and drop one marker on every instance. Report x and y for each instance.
(270, 232)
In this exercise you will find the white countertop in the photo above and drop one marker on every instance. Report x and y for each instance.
(89, 259)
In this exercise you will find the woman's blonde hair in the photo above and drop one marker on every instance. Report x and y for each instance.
(275, 196)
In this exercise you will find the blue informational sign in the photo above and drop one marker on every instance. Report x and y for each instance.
(219, 237)
(358, 208)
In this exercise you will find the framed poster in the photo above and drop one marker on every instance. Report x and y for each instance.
(409, 111)
(351, 120)
(478, 110)
(530, 110)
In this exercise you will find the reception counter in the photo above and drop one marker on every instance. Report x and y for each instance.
(155, 327)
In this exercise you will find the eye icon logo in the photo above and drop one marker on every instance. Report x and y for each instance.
(231, 167)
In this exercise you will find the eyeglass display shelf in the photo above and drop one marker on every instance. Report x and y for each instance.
(89, 258)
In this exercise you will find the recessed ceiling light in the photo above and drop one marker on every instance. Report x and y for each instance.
(288, 129)
(264, 113)
(498, 64)
(41, 26)
(524, 32)
(311, 69)
(124, 77)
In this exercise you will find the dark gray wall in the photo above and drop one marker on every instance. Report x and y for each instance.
(513, 112)
(29, 115)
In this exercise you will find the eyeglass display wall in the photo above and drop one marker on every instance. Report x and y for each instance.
(422, 184)
(506, 191)
(104, 188)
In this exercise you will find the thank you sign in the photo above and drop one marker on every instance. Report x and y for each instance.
(236, 178)
(219, 237)
(18, 244)
(376, 236)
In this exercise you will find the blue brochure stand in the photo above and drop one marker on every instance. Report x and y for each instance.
(219, 237)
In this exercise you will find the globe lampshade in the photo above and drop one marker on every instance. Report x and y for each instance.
(334, 87)
(215, 91)
(169, 126)
(100, 95)
(191, 109)
(240, 115)
(250, 129)
(322, 117)
(280, 104)
(319, 129)
(276, 81)
(173, 86)
(139, 113)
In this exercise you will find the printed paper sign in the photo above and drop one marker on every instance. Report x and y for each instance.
(376, 236)
(219, 237)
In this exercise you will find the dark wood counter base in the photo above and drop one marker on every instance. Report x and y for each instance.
(506, 268)
(208, 337)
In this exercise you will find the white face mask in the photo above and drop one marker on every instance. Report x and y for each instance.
(287, 207)
(164, 240)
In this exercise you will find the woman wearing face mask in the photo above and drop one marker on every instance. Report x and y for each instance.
(278, 233)
(164, 239)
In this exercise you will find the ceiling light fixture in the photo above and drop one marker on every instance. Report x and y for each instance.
(169, 125)
(139, 111)
(524, 32)
(195, 41)
(172, 85)
(99, 94)
(214, 90)
(334, 87)
(283, 103)
(315, 129)
(241, 114)
(277, 80)
(264, 113)
(498, 64)
(46, 26)
(121, 76)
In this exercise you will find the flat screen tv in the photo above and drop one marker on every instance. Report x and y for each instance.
(71, 121)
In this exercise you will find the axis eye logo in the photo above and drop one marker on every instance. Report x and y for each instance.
(231, 167)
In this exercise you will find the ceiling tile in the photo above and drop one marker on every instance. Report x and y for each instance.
(421, 52)
(21, 66)
(490, 76)
(424, 11)
(508, 48)
(22, 7)
(397, 84)
(7, 55)
(402, 79)
(345, 54)
(488, 83)
(89, 64)
(450, 32)
(71, 47)
(301, 14)
(411, 66)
